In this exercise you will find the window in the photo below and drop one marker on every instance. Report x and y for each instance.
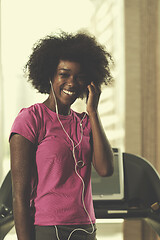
(23, 23)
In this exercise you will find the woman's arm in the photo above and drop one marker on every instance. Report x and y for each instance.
(22, 157)
(102, 151)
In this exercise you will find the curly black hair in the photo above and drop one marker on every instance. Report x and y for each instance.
(80, 47)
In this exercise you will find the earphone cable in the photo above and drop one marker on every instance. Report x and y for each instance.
(73, 152)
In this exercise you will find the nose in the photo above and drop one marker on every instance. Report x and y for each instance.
(71, 81)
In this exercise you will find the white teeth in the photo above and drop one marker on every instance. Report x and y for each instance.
(68, 92)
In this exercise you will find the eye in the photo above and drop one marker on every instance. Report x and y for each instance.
(64, 75)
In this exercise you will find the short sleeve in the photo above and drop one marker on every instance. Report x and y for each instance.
(26, 124)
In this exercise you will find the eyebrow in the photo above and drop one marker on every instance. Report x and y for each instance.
(69, 70)
(66, 69)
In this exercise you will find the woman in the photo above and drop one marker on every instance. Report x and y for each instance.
(52, 147)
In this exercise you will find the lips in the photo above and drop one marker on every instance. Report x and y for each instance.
(69, 92)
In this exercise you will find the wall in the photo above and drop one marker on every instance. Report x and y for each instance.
(1, 109)
(142, 117)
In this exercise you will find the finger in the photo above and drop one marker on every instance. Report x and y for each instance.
(92, 90)
(96, 88)
(89, 88)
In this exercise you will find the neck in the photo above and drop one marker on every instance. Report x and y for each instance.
(62, 109)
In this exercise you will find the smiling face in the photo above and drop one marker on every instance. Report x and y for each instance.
(68, 83)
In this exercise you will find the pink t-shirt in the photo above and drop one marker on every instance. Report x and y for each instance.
(57, 198)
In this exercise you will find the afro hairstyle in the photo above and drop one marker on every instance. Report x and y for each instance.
(80, 47)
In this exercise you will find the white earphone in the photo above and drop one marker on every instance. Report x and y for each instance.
(78, 164)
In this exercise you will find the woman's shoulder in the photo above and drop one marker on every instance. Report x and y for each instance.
(33, 110)
(27, 123)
